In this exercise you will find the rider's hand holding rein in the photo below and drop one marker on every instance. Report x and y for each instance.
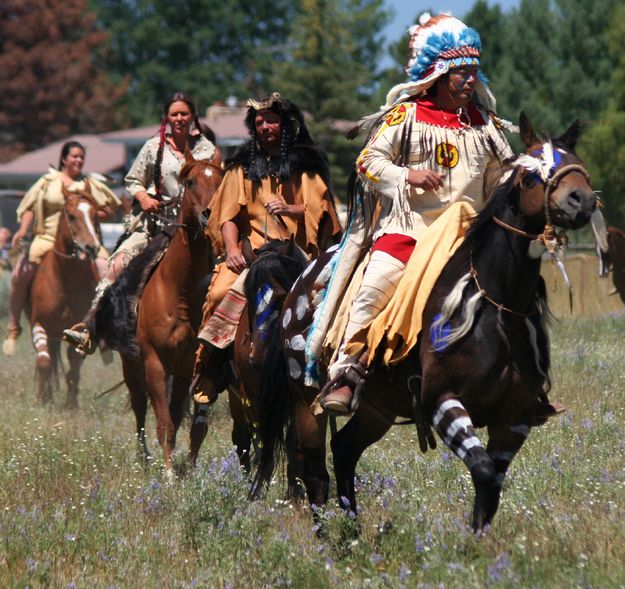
(146, 202)
(279, 207)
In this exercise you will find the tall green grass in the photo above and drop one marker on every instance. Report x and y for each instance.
(79, 509)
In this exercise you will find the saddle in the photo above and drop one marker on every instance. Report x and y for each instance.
(114, 319)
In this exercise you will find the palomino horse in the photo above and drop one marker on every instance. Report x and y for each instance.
(61, 290)
(616, 252)
(482, 359)
(169, 315)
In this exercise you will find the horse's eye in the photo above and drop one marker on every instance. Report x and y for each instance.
(72, 217)
(529, 180)
(189, 183)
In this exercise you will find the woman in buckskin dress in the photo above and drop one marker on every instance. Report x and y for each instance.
(152, 181)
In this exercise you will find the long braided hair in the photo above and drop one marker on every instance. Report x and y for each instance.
(176, 97)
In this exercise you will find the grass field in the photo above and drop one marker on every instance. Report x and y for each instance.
(78, 510)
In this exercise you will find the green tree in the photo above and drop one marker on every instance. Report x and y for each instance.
(51, 86)
(210, 49)
(489, 22)
(334, 51)
(603, 147)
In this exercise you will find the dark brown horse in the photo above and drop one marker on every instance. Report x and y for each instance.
(273, 269)
(169, 315)
(482, 359)
(616, 252)
(61, 291)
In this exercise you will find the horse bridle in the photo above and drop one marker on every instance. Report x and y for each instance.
(549, 238)
(76, 247)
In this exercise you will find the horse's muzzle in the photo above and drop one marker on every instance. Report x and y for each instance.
(574, 211)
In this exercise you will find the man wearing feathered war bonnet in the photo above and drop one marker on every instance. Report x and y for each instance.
(435, 152)
(275, 186)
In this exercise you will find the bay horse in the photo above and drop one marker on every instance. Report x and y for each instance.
(169, 315)
(482, 359)
(616, 252)
(62, 289)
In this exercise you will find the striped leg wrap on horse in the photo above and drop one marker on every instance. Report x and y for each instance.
(40, 341)
(503, 458)
(453, 424)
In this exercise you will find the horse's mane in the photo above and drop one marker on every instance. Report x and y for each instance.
(274, 266)
(504, 195)
(188, 166)
(495, 206)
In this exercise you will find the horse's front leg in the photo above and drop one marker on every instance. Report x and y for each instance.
(366, 427)
(43, 362)
(454, 426)
(156, 385)
(72, 378)
(179, 402)
(310, 449)
(503, 445)
(242, 424)
(135, 382)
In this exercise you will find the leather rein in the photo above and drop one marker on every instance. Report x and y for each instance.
(548, 237)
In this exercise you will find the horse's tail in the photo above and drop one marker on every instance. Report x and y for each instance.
(273, 407)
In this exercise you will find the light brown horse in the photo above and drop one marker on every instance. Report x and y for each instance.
(169, 315)
(482, 359)
(61, 291)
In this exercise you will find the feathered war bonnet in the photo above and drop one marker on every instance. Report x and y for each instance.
(297, 149)
(437, 44)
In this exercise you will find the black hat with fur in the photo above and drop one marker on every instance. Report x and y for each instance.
(298, 152)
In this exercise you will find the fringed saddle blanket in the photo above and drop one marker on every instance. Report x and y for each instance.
(222, 325)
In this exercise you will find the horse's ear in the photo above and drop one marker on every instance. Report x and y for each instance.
(528, 135)
(247, 251)
(571, 135)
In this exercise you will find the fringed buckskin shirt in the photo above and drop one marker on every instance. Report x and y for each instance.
(141, 174)
(45, 199)
(244, 200)
(467, 148)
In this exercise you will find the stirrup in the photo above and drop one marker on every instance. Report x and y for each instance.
(80, 337)
(342, 394)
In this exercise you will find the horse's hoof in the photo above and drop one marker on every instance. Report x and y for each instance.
(8, 346)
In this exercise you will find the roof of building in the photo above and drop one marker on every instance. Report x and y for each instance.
(102, 157)
(107, 152)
